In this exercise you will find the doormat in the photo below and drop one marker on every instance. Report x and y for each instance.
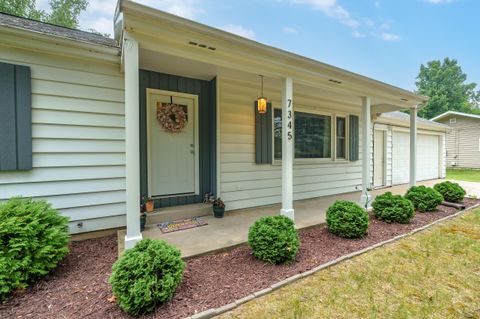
(181, 224)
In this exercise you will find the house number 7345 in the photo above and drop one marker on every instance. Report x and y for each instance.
(289, 117)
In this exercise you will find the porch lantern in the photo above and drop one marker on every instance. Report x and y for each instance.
(262, 101)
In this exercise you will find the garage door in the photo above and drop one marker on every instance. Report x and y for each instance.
(427, 157)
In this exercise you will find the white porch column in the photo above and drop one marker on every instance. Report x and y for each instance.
(366, 154)
(413, 146)
(287, 148)
(132, 140)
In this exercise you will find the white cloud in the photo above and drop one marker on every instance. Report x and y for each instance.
(239, 30)
(99, 14)
(290, 30)
(369, 23)
(183, 8)
(439, 1)
(386, 36)
(358, 34)
(332, 9)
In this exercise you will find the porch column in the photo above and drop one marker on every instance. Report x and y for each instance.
(413, 146)
(287, 148)
(366, 154)
(132, 138)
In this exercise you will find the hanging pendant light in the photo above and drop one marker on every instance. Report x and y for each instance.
(262, 101)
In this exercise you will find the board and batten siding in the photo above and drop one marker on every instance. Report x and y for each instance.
(78, 142)
(246, 184)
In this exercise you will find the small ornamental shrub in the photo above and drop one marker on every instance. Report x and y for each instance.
(451, 192)
(424, 199)
(146, 276)
(393, 208)
(33, 240)
(274, 239)
(347, 219)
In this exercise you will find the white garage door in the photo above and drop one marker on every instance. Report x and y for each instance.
(427, 157)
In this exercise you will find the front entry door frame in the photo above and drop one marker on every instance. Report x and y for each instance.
(196, 138)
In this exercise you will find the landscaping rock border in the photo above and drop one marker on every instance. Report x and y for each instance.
(210, 313)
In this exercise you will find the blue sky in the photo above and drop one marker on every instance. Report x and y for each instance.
(385, 39)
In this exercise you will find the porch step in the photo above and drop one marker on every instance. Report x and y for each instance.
(166, 214)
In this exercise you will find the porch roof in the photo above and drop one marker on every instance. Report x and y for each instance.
(168, 34)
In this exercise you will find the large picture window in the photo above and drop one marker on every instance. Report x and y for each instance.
(313, 137)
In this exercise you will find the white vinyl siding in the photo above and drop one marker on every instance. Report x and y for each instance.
(463, 143)
(78, 139)
(245, 184)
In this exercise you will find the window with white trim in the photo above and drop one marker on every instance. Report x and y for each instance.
(312, 138)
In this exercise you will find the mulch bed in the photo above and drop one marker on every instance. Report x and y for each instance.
(79, 287)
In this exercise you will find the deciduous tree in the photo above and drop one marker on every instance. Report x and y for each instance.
(445, 84)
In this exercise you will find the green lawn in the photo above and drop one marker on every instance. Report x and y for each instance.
(459, 174)
(433, 274)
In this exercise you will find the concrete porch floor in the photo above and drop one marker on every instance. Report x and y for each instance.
(232, 230)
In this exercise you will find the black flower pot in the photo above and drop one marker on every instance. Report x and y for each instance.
(218, 212)
(143, 221)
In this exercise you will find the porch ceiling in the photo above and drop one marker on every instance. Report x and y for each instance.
(170, 64)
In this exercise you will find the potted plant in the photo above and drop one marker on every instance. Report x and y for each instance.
(218, 208)
(143, 220)
(149, 205)
(143, 215)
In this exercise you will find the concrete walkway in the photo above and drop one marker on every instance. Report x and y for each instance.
(232, 230)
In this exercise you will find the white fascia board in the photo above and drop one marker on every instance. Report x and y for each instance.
(37, 41)
(443, 115)
(152, 19)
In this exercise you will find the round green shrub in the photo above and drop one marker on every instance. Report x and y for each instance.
(274, 239)
(347, 219)
(393, 208)
(146, 276)
(424, 199)
(33, 240)
(451, 192)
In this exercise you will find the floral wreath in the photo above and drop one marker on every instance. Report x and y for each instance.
(171, 116)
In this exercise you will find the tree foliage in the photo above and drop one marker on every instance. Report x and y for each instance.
(63, 12)
(445, 84)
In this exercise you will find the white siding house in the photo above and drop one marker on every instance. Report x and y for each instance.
(78, 125)
(99, 142)
(463, 138)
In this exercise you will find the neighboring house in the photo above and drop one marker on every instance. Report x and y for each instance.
(391, 149)
(463, 140)
(86, 121)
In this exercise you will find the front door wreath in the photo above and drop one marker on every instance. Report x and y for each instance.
(172, 117)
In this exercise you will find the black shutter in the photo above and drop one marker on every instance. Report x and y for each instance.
(15, 117)
(353, 138)
(263, 135)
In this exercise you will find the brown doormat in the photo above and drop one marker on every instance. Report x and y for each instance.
(181, 224)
